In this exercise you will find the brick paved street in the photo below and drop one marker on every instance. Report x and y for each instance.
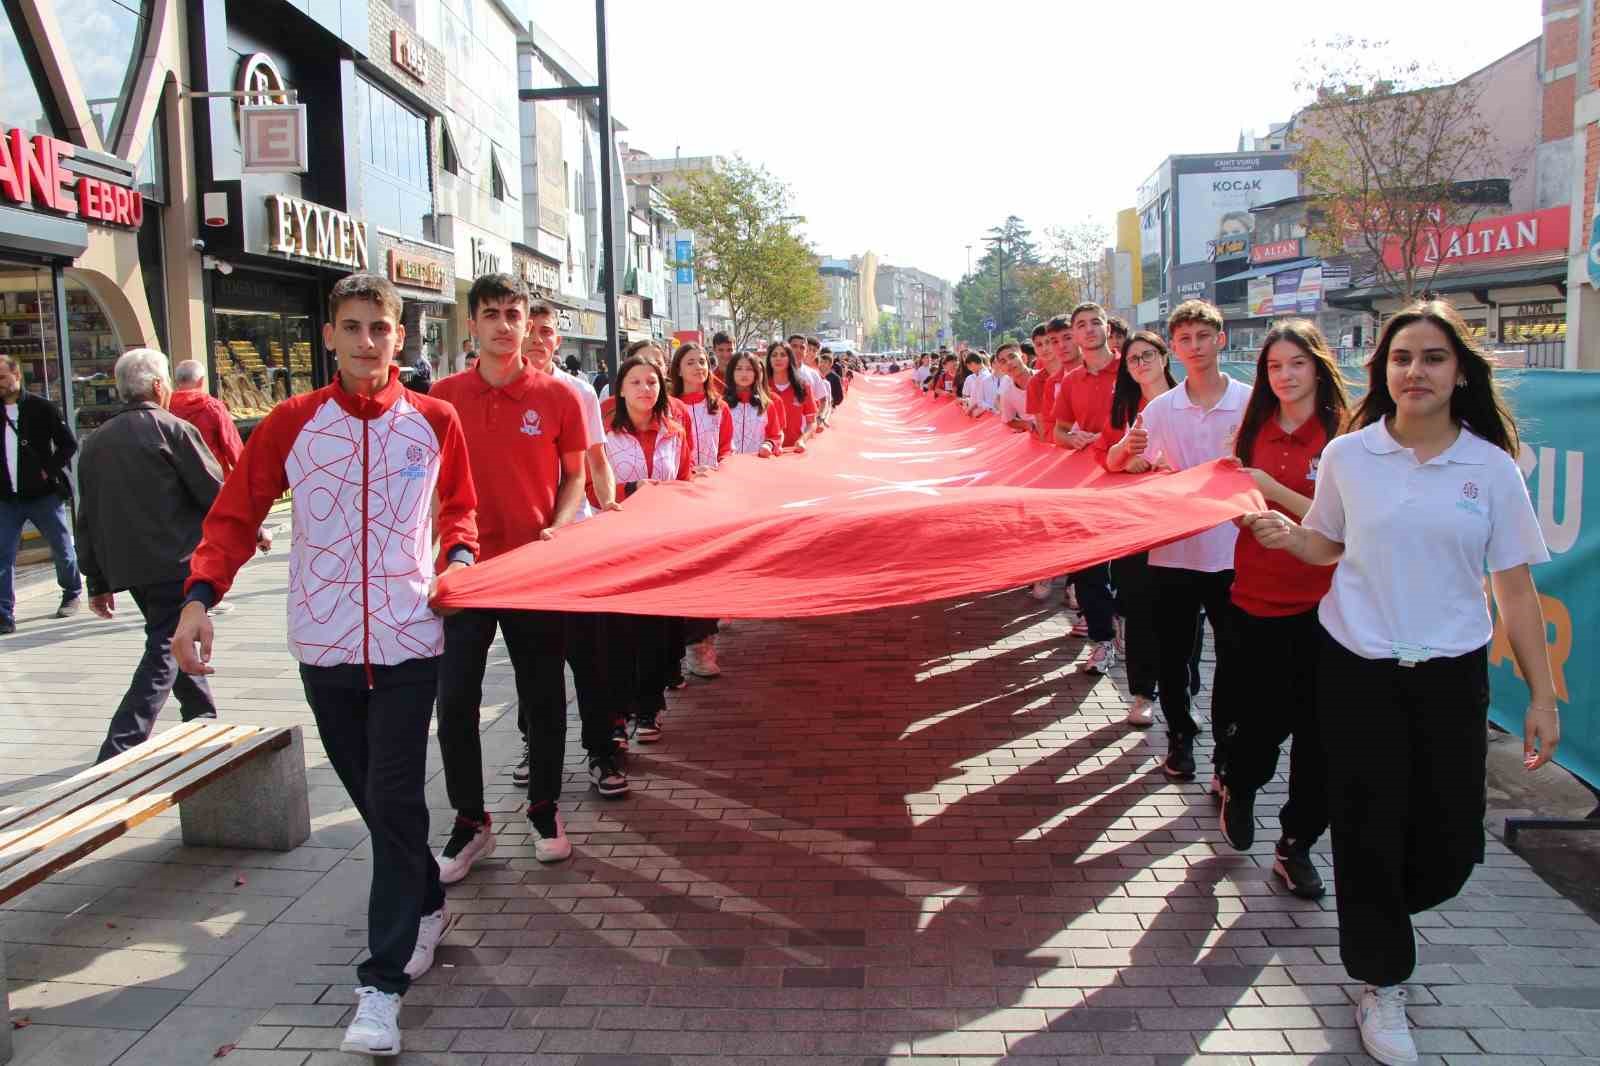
(909, 835)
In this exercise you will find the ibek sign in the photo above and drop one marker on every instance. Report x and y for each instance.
(32, 174)
(296, 227)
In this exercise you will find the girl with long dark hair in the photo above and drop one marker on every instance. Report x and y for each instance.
(788, 388)
(1297, 406)
(1143, 373)
(1415, 505)
(694, 384)
(758, 419)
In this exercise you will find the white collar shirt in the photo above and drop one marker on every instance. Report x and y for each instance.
(593, 421)
(1185, 435)
(1418, 539)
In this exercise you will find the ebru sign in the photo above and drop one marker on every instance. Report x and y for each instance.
(1502, 237)
(33, 174)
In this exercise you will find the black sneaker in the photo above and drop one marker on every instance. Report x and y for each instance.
(1238, 818)
(619, 737)
(607, 777)
(1293, 866)
(676, 680)
(7, 626)
(522, 772)
(71, 604)
(1180, 759)
(647, 730)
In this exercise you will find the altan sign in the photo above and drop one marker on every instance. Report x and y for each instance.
(32, 174)
(414, 270)
(312, 231)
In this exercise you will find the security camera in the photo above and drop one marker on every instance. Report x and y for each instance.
(224, 267)
(198, 244)
(221, 266)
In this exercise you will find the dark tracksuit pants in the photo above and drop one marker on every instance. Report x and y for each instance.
(1275, 689)
(157, 674)
(642, 654)
(535, 641)
(1407, 752)
(1180, 596)
(1095, 601)
(377, 741)
(588, 636)
(1135, 592)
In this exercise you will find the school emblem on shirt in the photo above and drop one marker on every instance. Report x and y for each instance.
(532, 425)
(414, 456)
(1469, 498)
(1469, 491)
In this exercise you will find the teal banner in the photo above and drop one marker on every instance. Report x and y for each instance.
(1558, 412)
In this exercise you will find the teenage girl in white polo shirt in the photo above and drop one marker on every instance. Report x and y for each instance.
(1415, 504)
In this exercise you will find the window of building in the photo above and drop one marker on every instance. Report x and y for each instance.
(394, 159)
(449, 155)
(22, 100)
(497, 180)
(105, 41)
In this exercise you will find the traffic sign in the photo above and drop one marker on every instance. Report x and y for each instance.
(988, 324)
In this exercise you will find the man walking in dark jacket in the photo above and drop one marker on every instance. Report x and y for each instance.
(146, 480)
(36, 447)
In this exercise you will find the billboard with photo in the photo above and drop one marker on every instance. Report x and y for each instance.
(1216, 192)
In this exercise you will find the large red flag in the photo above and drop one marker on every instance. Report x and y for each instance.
(904, 500)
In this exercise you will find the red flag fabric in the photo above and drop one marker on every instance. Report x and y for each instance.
(904, 500)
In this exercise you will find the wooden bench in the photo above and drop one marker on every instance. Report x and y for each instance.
(235, 786)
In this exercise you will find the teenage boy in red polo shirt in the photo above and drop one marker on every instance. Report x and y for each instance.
(1083, 409)
(379, 475)
(526, 442)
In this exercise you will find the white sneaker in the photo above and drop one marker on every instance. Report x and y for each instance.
(1102, 657)
(1385, 1033)
(429, 932)
(702, 659)
(376, 1028)
(552, 848)
(467, 844)
(1040, 591)
(1141, 713)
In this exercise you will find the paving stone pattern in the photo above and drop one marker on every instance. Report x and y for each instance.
(911, 835)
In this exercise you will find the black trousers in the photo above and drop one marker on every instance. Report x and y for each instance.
(1274, 688)
(588, 636)
(1095, 600)
(642, 653)
(1135, 592)
(157, 674)
(377, 740)
(697, 629)
(535, 641)
(1180, 596)
(1407, 752)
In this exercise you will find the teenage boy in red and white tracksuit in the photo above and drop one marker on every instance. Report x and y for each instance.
(369, 463)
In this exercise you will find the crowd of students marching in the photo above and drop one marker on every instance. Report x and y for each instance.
(1349, 617)
(1352, 609)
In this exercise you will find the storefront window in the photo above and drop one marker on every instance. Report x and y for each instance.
(94, 347)
(27, 328)
(262, 357)
(21, 99)
(1533, 323)
(104, 39)
(394, 157)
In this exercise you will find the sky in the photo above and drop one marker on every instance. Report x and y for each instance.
(910, 127)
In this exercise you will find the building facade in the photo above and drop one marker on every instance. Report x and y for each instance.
(923, 304)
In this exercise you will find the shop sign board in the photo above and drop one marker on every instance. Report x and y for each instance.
(539, 273)
(409, 55)
(33, 174)
(311, 231)
(272, 138)
(1275, 251)
(1503, 237)
(416, 271)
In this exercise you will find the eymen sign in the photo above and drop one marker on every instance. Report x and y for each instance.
(1503, 237)
(32, 174)
(312, 231)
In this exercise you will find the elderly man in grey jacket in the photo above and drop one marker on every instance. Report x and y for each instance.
(146, 480)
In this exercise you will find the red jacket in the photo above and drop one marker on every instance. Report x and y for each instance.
(210, 416)
(364, 472)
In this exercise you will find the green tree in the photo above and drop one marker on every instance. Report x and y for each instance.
(1383, 153)
(747, 250)
(993, 290)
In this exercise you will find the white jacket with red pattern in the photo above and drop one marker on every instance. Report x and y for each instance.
(363, 472)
